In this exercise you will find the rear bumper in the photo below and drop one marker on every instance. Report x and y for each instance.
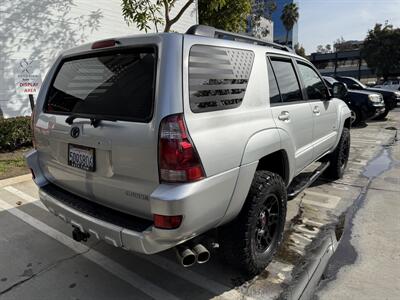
(203, 204)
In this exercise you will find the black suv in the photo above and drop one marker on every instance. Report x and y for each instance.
(364, 105)
(389, 96)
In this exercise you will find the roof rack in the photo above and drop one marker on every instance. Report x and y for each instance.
(209, 31)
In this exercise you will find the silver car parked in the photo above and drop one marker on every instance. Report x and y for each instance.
(151, 142)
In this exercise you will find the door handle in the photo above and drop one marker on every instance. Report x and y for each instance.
(284, 116)
(316, 111)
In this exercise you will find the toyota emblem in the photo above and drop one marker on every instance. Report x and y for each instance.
(75, 132)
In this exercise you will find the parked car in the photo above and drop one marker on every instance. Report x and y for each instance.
(152, 142)
(390, 84)
(364, 105)
(389, 96)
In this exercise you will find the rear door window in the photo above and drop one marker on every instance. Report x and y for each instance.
(287, 80)
(112, 85)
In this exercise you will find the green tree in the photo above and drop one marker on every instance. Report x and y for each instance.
(299, 49)
(342, 45)
(328, 48)
(142, 13)
(227, 15)
(382, 50)
(321, 49)
(339, 44)
(289, 17)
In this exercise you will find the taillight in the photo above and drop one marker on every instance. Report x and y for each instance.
(178, 159)
(33, 129)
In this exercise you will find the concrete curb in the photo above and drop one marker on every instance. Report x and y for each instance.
(15, 180)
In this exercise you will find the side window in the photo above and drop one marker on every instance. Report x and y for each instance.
(287, 80)
(274, 95)
(218, 77)
(313, 84)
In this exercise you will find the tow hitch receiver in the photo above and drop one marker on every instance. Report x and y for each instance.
(80, 236)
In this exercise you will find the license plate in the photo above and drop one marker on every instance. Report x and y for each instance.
(81, 157)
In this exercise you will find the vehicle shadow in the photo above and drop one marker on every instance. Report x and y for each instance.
(201, 281)
(377, 121)
(360, 125)
(49, 240)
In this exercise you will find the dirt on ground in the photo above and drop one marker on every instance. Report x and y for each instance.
(13, 163)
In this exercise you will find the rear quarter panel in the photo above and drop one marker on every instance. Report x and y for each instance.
(238, 137)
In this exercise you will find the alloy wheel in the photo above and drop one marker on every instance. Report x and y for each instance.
(267, 224)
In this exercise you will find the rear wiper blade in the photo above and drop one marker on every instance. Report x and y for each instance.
(70, 119)
(95, 122)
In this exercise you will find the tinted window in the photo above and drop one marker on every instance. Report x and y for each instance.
(351, 82)
(287, 81)
(114, 85)
(346, 81)
(274, 95)
(313, 84)
(218, 77)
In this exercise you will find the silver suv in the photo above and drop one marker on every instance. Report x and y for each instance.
(151, 142)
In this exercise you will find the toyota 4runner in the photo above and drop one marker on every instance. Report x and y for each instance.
(161, 141)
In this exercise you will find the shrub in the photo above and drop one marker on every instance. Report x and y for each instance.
(15, 133)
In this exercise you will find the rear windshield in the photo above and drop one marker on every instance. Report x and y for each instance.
(113, 85)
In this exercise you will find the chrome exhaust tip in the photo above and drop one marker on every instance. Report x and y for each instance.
(186, 257)
(202, 254)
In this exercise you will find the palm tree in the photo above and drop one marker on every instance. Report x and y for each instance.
(289, 17)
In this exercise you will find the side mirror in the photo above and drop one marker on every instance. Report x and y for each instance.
(339, 90)
(355, 86)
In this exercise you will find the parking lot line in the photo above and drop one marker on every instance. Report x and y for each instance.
(99, 259)
(188, 275)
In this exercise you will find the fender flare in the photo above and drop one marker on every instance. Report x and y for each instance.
(260, 144)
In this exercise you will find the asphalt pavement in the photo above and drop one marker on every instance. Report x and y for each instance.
(40, 260)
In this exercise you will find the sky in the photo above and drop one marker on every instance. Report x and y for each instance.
(323, 21)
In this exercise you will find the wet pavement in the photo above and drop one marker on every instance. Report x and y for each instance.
(39, 259)
(366, 264)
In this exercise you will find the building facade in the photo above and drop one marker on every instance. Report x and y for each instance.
(33, 33)
(279, 29)
(344, 63)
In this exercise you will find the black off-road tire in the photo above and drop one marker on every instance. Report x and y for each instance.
(241, 240)
(384, 115)
(338, 159)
